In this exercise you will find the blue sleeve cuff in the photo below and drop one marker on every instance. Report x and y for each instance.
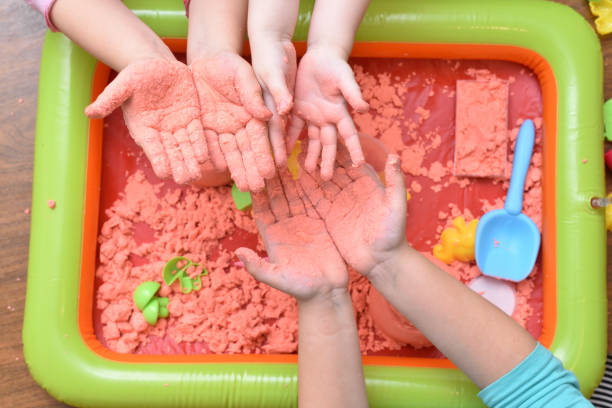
(538, 381)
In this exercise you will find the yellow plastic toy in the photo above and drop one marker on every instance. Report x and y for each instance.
(602, 9)
(609, 214)
(292, 160)
(457, 242)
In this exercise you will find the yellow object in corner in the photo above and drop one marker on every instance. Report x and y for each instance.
(609, 215)
(457, 242)
(292, 161)
(602, 9)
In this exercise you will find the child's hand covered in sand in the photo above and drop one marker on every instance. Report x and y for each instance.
(366, 221)
(161, 111)
(274, 63)
(271, 24)
(303, 259)
(232, 114)
(305, 263)
(324, 83)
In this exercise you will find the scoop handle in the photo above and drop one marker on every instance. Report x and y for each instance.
(520, 165)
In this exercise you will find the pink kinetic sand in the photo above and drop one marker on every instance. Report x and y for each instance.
(231, 313)
(481, 128)
(144, 222)
(427, 154)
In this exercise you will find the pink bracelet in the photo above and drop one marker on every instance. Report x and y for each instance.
(44, 7)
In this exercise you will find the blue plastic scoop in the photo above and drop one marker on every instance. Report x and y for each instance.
(507, 241)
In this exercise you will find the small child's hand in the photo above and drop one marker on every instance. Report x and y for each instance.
(324, 83)
(366, 221)
(274, 63)
(161, 111)
(303, 259)
(233, 115)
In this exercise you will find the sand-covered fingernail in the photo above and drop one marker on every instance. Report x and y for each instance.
(284, 106)
(394, 160)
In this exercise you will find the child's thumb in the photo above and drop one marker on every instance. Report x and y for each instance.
(395, 190)
(250, 94)
(351, 92)
(255, 265)
(111, 97)
(264, 271)
(276, 85)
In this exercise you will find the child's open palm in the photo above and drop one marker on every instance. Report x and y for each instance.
(324, 83)
(233, 112)
(303, 259)
(365, 220)
(161, 111)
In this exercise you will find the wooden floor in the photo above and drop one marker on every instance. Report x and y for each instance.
(21, 36)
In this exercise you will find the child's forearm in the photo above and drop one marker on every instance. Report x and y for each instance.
(478, 337)
(330, 370)
(109, 31)
(273, 19)
(334, 24)
(216, 26)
